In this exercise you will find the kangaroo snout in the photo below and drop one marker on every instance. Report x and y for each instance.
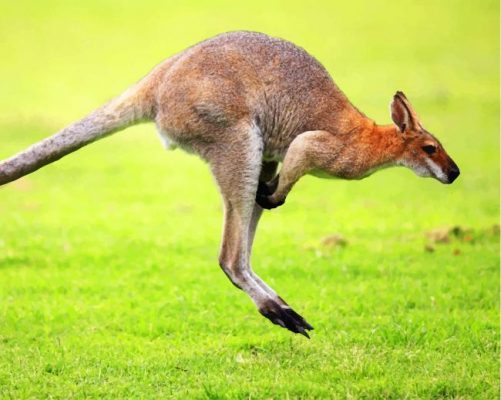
(452, 173)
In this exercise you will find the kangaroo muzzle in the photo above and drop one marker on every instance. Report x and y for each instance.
(452, 172)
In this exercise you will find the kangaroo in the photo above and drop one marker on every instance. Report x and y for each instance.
(245, 102)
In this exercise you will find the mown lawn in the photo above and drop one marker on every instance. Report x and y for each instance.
(109, 283)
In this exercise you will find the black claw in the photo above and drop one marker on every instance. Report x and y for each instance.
(304, 333)
(286, 317)
(297, 316)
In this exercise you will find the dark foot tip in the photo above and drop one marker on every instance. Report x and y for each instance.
(300, 318)
(286, 317)
(304, 333)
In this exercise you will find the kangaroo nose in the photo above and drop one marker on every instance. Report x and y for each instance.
(453, 174)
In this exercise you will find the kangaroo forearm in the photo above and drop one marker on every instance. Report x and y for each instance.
(307, 152)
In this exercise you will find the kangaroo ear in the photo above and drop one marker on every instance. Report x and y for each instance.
(402, 113)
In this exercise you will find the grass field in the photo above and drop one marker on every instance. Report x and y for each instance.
(109, 283)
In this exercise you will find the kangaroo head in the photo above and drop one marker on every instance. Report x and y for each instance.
(422, 153)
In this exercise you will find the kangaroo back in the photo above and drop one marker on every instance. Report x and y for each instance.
(127, 109)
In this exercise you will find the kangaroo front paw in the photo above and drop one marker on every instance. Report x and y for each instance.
(267, 202)
(263, 189)
(264, 197)
(286, 317)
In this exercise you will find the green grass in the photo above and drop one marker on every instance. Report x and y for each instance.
(109, 283)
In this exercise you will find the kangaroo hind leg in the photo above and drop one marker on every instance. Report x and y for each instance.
(237, 170)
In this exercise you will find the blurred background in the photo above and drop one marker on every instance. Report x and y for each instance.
(119, 240)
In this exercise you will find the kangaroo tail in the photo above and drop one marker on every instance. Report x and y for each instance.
(127, 109)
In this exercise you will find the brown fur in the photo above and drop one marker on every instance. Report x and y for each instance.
(245, 101)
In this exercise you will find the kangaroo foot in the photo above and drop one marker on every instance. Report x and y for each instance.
(286, 317)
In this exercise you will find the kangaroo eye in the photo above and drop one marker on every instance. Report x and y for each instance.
(429, 149)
